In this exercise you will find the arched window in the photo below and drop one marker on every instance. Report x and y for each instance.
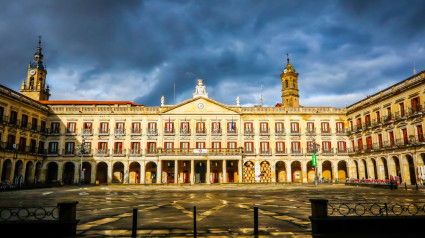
(31, 84)
(294, 84)
(287, 85)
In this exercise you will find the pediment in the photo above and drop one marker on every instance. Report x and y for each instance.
(200, 105)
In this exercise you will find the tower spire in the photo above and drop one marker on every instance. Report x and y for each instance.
(287, 57)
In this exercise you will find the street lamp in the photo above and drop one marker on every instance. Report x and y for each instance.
(82, 151)
(315, 149)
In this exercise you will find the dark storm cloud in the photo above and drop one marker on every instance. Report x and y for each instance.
(137, 50)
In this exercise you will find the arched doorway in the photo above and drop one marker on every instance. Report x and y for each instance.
(102, 172)
(87, 172)
(411, 168)
(52, 172)
(365, 169)
(6, 170)
(280, 172)
(19, 172)
(68, 173)
(150, 172)
(38, 169)
(397, 168)
(249, 172)
(297, 175)
(375, 170)
(310, 172)
(385, 168)
(118, 172)
(356, 166)
(134, 176)
(342, 170)
(200, 172)
(327, 171)
(29, 177)
(265, 172)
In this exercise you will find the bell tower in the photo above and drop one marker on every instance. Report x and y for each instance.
(35, 86)
(289, 77)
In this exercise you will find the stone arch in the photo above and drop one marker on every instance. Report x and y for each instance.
(6, 170)
(281, 172)
(19, 171)
(38, 169)
(356, 167)
(134, 176)
(384, 168)
(421, 166)
(68, 173)
(310, 172)
(150, 172)
(366, 174)
(342, 170)
(52, 172)
(87, 172)
(29, 176)
(396, 167)
(375, 169)
(118, 172)
(296, 169)
(265, 172)
(249, 172)
(102, 172)
(327, 170)
(410, 170)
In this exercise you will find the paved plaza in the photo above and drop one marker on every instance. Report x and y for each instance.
(222, 210)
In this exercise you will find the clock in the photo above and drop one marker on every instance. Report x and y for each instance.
(285, 71)
(32, 72)
(200, 106)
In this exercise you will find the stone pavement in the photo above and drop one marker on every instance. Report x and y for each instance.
(222, 210)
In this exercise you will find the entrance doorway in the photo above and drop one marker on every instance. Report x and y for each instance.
(215, 176)
(200, 171)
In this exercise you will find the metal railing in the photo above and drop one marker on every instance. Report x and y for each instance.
(86, 131)
(310, 131)
(29, 213)
(265, 152)
(248, 132)
(103, 132)
(298, 151)
(232, 132)
(152, 131)
(281, 152)
(279, 132)
(119, 152)
(326, 132)
(168, 131)
(135, 131)
(184, 132)
(119, 132)
(376, 209)
(264, 132)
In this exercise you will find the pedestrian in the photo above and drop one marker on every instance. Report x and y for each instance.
(391, 182)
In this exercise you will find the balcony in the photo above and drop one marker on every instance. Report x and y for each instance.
(209, 151)
(24, 125)
(103, 132)
(70, 132)
(87, 152)
(216, 132)
(326, 132)
(388, 119)
(135, 152)
(402, 142)
(86, 132)
(278, 132)
(119, 132)
(265, 152)
(135, 131)
(34, 127)
(248, 132)
(118, 152)
(151, 151)
(168, 132)
(417, 139)
(152, 132)
(295, 133)
(399, 115)
(296, 151)
(14, 122)
(281, 151)
(52, 152)
(102, 152)
(264, 132)
(376, 122)
(231, 132)
(201, 132)
(53, 131)
(415, 111)
(341, 151)
(68, 152)
(3, 119)
(327, 151)
(310, 131)
(250, 151)
(341, 132)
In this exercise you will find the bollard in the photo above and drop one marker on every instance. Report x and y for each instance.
(134, 228)
(405, 185)
(256, 221)
(194, 221)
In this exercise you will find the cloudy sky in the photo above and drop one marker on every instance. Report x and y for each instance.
(137, 50)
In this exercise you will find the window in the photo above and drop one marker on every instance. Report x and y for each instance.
(360, 144)
(151, 147)
(13, 117)
(367, 120)
(104, 127)
(215, 127)
(249, 147)
(119, 128)
(168, 146)
(310, 146)
(295, 127)
(41, 147)
(420, 133)
(378, 117)
(200, 145)
(340, 127)
(135, 128)
(280, 146)
(310, 127)
(87, 128)
(33, 144)
(326, 147)
(151, 127)
(296, 148)
(11, 139)
(87, 147)
(24, 122)
(416, 106)
(342, 147)
(55, 127)
(2, 117)
(279, 127)
(405, 139)
(103, 148)
(351, 125)
(169, 127)
(359, 123)
(391, 135)
(248, 127)
(380, 140)
(231, 145)
(34, 124)
(402, 109)
(135, 147)
(22, 144)
(43, 126)
(118, 148)
(216, 145)
(69, 148)
(264, 127)
(184, 145)
(70, 127)
(53, 147)
(231, 126)
(369, 143)
(200, 127)
(352, 144)
(389, 116)
(264, 146)
(184, 127)
(325, 127)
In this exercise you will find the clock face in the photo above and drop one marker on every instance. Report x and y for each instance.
(285, 71)
(200, 106)
(32, 72)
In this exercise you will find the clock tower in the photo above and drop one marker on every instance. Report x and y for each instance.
(289, 77)
(35, 86)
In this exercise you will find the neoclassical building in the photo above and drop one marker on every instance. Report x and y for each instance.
(201, 140)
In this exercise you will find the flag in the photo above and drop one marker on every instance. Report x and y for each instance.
(233, 125)
(185, 124)
(169, 124)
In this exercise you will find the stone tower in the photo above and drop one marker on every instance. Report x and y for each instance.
(35, 86)
(290, 96)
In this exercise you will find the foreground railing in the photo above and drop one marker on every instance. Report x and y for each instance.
(376, 209)
(29, 213)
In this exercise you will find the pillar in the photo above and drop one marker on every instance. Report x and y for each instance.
(240, 175)
(142, 175)
(109, 172)
(273, 172)
(77, 169)
(43, 172)
(192, 171)
(60, 170)
(176, 172)
(304, 171)
(207, 177)
(159, 172)
(224, 171)
(12, 172)
(93, 173)
(126, 172)
(319, 170)
(24, 168)
(1, 168)
(289, 172)
(335, 171)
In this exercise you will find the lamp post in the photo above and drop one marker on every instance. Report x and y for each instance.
(82, 151)
(315, 149)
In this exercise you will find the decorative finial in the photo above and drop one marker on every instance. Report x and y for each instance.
(162, 101)
(39, 40)
(287, 57)
(238, 101)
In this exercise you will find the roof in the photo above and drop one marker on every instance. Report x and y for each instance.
(88, 102)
